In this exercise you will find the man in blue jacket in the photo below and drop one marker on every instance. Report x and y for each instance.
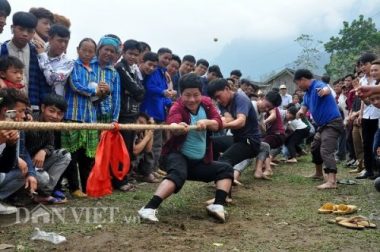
(158, 98)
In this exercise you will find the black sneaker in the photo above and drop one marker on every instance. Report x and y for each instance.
(375, 176)
(350, 163)
(365, 176)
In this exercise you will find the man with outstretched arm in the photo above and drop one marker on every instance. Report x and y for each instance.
(322, 106)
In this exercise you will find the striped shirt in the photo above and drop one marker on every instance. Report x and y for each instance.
(78, 94)
(110, 105)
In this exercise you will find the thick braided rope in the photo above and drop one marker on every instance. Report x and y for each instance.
(10, 125)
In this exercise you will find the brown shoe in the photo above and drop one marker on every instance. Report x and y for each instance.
(78, 194)
(268, 173)
(357, 170)
(151, 179)
(157, 175)
(128, 188)
(161, 172)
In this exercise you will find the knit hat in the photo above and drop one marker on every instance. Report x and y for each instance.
(109, 41)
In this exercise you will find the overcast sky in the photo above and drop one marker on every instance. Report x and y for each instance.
(253, 35)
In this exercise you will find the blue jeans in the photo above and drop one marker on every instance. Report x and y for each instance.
(376, 141)
(10, 182)
(54, 166)
(376, 144)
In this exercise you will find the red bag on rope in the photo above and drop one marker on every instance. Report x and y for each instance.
(111, 154)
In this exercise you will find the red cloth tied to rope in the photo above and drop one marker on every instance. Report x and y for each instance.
(111, 154)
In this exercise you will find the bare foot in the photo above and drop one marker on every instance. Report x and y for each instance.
(258, 174)
(315, 176)
(292, 160)
(262, 176)
(237, 183)
(265, 177)
(236, 175)
(268, 173)
(327, 185)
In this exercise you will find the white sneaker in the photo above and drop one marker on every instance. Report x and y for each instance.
(211, 201)
(217, 211)
(4, 209)
(148, 214)
(362, 172)
(351, 162)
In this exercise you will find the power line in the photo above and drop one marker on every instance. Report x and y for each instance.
(376, 14)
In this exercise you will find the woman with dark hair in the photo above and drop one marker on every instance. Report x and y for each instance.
(80, 92)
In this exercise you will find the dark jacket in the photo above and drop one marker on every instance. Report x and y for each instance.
(204, 86)
(131, 91)
(175, 81)
(8, 158)
(179, 113)
(37, 86)
(36, 140)
(24, 154)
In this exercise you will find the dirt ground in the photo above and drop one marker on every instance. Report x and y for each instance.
(277, 215)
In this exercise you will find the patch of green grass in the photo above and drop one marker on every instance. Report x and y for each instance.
(277, 215)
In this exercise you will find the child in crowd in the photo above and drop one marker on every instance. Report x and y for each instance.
(142, 150)
(11, 72)
(296, 132)
(296, 101)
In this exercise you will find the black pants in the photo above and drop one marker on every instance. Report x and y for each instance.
(129, 138)
(341, 146)
(143, 164)
(369, 128)
(350, 142)
(294, 140)
(234, 152)
(179, 169)
(128, 135)
(84, 163)
(220, 144)
(157, 147)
